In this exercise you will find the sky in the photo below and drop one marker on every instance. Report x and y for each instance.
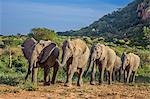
(20, 16)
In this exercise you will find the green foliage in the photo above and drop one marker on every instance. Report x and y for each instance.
(120, 24)
(28, 86)
(15, 76)
(146, 35)
(42, 34)
(19, 65)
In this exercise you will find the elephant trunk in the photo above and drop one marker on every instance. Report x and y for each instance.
(123, 65)
(60, 64)
(64, 60)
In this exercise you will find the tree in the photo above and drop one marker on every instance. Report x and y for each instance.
(146, 36)
(42, 34)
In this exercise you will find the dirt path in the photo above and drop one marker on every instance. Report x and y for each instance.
(58, 91)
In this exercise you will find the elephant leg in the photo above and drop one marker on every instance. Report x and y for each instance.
(100, 75)
(46, 75)
(69, 76)
(80, 81)
(119, 75)
(54, 73)
(133, 79)
(124, 76)
(93, 74)
(34, 75)
(28, 73)
(110, 76)
(113, 76)
(67, 73)
(129, 74)
(102, 69)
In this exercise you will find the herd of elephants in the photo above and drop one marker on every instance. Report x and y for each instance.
(77, 57)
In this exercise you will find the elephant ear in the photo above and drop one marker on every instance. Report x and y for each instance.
(74, 49)
(28, 47)
(46, 52)
(103, 52)
(130, 58)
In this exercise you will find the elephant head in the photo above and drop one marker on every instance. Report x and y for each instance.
(125, 60)
(37, 50)
(67, 52)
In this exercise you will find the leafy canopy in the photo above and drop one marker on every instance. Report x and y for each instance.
(42, 34)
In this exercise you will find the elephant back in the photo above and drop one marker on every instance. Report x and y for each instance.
(28, 47)
(46, 52)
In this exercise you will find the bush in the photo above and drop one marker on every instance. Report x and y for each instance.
(10, 79)
(28, 86)
(43, 34)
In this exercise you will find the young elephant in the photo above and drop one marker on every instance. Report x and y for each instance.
(104, 57)
(75, 55)
(130, 63)
(117, 68)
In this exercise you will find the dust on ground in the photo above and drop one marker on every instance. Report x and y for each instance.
(87, 91)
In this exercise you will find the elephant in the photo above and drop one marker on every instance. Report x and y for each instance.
(47, 59)
(104, 57)
(75, 55)
(117, 68)
(35, 53)
(130, 64)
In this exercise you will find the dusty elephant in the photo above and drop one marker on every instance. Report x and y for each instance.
(117, 68)
(33, 57)
(130, 63)
(75, 55)
(104, 57)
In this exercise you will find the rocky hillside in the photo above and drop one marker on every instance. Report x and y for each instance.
(126, 22)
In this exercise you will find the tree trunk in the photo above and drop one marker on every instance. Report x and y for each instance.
(10, 59)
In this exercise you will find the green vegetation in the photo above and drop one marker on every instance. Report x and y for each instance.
(15, 74)
(122, 30)
(42, 33)
(123, 24)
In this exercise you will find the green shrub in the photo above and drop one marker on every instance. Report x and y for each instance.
(43, 34)
(28, 86)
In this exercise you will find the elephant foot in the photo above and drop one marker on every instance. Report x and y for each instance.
(92, 83)
(101, 83)
(80, 84)
(46, 83)
(52, 82)
(68, 84)
(110, 83)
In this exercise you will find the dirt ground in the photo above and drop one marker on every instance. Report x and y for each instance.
(87, 91)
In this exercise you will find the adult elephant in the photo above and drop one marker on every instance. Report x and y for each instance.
(104, 57)
(33, 53)
(117, 68)
(75, 55)
(47, 59)
(130, 63)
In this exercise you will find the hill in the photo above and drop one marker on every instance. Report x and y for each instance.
(125, 23)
